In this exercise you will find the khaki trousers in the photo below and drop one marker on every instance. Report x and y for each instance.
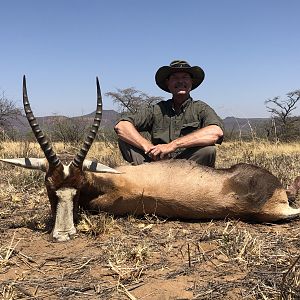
(205, 156)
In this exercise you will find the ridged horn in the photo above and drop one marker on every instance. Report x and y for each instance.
(80, 157)
(38, 133)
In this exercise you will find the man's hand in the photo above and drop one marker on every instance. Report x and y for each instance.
(161, 151)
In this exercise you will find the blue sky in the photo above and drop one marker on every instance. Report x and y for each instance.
(248, 49)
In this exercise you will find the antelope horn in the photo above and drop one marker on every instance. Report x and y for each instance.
(79, 158)
(39, 135)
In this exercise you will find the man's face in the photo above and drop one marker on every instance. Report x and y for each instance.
(180, 83)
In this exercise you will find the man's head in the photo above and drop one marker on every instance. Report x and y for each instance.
(179, 83)
(179, 77)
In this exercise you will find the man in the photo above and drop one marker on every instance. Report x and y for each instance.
(180, 128)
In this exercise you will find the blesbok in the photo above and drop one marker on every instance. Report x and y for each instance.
(172, 189)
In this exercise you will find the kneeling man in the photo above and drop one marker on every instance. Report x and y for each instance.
(180, 128)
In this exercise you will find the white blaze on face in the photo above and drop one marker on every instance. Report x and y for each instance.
(64, 225)
(66, 170)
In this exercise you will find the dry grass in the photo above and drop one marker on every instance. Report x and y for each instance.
(283, 160)
(130, 258)
(105, 152)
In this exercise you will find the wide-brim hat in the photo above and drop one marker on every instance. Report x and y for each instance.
(164, 72)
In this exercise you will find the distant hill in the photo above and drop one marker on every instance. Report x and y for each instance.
(109, 118)
(21, 125)
(244, 125)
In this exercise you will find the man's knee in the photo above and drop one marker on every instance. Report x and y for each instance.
(132, 154)
(207, 151)
(205, 156)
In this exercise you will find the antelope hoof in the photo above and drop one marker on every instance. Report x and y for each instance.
(63, 236)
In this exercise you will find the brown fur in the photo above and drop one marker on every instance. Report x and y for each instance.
(293, 189)
(183, 189)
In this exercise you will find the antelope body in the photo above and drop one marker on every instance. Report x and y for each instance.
(172, 189)
(183, 189)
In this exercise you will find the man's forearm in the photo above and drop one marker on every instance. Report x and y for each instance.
(202, 137)
(128, 133)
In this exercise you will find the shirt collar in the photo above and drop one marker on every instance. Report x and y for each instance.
(184, 105)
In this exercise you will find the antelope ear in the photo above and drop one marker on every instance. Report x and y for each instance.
(28, 163)
(94, 166)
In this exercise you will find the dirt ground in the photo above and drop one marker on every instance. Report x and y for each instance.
(149, 258)
(146, 258)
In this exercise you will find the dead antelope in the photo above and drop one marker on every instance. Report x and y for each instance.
(171, 189)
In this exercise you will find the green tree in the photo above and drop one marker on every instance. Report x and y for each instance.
(69, 130)
(130, 99)
(284, 126)
(8, 112)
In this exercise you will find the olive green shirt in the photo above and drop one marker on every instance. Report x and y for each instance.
(165, 125)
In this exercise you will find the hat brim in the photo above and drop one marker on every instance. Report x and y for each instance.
(164, 72)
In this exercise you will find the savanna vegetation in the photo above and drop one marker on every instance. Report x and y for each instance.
(150, 257)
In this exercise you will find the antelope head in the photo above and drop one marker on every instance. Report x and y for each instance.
(63, 182)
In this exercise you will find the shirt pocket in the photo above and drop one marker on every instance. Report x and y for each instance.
(187, 128)
(160, 135)
(160, 125)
